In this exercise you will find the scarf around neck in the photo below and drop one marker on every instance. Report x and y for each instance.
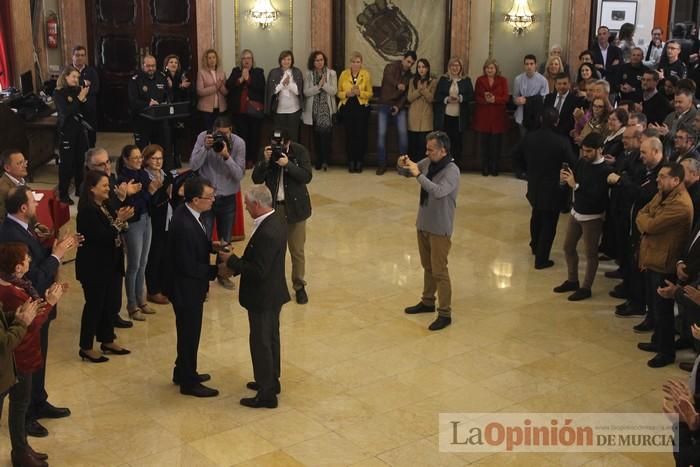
(20, 283)
(433, 169)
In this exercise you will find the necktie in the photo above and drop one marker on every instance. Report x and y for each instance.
(560, 101)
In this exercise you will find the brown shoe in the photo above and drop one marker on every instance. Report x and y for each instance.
(686, 366)
(26, 459)
(147, 310)
(158, 299)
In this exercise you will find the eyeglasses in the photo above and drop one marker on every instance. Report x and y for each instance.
(102, 164)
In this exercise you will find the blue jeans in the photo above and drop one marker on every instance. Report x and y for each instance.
(138, 244)
(224, 211)
(401, 127)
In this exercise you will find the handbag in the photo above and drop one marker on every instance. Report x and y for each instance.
(255, 110)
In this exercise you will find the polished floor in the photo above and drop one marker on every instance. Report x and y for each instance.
(362, 382)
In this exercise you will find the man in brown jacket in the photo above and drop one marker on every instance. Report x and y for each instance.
(392, 102)
(664, 224)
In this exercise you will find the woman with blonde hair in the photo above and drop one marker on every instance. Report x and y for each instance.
(211, 89)
(491, 95)
(452, 98)
(553, 67)
(354, 93)
(70, 99)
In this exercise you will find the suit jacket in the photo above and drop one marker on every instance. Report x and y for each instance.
(99, 257)
(541, 154)
(263, 283)
(43, 267)
(5, 186)
(691, 255)
(614, 53)
(566, 114)
(665, 225)
(674, 121)
(657, 108)
(188, 272)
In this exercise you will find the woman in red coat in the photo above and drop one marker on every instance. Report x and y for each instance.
(490, 118)
(15, 290)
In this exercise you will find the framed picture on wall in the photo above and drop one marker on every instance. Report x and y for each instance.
(615, 14)
(382, 30)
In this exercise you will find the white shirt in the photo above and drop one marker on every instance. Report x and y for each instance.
(604, 53)
(287, 96)
(559, 101)
(196, 216)
(258, 220)
(16, 181)
(26, 227)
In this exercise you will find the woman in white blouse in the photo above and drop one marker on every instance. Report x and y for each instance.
(320, 86)
(284, 94)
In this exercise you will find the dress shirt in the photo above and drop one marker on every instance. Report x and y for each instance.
(258, 220)
(196, 215)
(17, 182)
(25, 226)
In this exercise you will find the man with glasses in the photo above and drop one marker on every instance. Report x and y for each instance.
(654, 104)
(655, 49)
(674, 66)
(192, 264)
(684, 145)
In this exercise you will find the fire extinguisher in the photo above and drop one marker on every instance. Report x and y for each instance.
(52, 31)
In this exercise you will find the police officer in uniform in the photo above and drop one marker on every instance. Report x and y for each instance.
(146, 88)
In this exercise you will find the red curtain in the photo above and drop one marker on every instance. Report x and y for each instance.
(6, 45)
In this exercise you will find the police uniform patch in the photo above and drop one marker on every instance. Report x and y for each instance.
(70, 99)
(145, 89)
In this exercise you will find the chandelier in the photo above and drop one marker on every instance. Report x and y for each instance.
(520, 17)
(263, 13)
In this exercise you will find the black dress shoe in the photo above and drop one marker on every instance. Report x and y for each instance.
(682, 344)
(380, 171)
(648, 347)
(67, 200)
(622, 305)
(42, 456)
(484, 173)
(643, 327)
(198, 390)
(106, 349)
(660, 361)
(85, 356)
(580, 294)
(252, 385)
(302, 298)
(122, 323)
(440, 323)
(630, 311)
(420, 308)
(49, 411)
(566, 286)
(36, 429)
(257, 403)
(616, 274)
(201, 378)
(547, 264)
(26, 459)
(617, 292)
(686, 366)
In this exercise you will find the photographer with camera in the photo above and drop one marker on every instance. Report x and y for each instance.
(286, 169)
(219, 156)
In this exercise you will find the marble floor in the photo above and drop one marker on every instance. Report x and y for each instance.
(362, 382)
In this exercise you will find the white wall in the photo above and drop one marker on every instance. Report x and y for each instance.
(266, 45)
(644, 23)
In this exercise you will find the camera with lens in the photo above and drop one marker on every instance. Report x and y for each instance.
(220, 141)
(276, 146)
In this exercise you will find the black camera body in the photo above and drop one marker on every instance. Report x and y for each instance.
(220, 141)
(276, 146)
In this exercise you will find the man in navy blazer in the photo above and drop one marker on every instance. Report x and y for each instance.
(263, 291)
(606, 57)
(18, 226)
(191, 267)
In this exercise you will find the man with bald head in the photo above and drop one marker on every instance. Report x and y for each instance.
(147, 88)
(14, 167)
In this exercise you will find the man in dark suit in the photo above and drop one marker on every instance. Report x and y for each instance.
(564, 102)
(18, 226)
(263, 292)
(192, 266)
(654, 104)
(541, 154)
(606, 57)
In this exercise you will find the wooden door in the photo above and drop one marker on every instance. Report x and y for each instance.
(121, 33)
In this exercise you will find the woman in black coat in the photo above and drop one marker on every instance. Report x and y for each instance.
(99, 266)
(70, 98)
(246, 97)
(160, 212)
(179, 90)
(453, 97)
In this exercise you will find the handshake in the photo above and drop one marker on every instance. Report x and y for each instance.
(222, 252)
